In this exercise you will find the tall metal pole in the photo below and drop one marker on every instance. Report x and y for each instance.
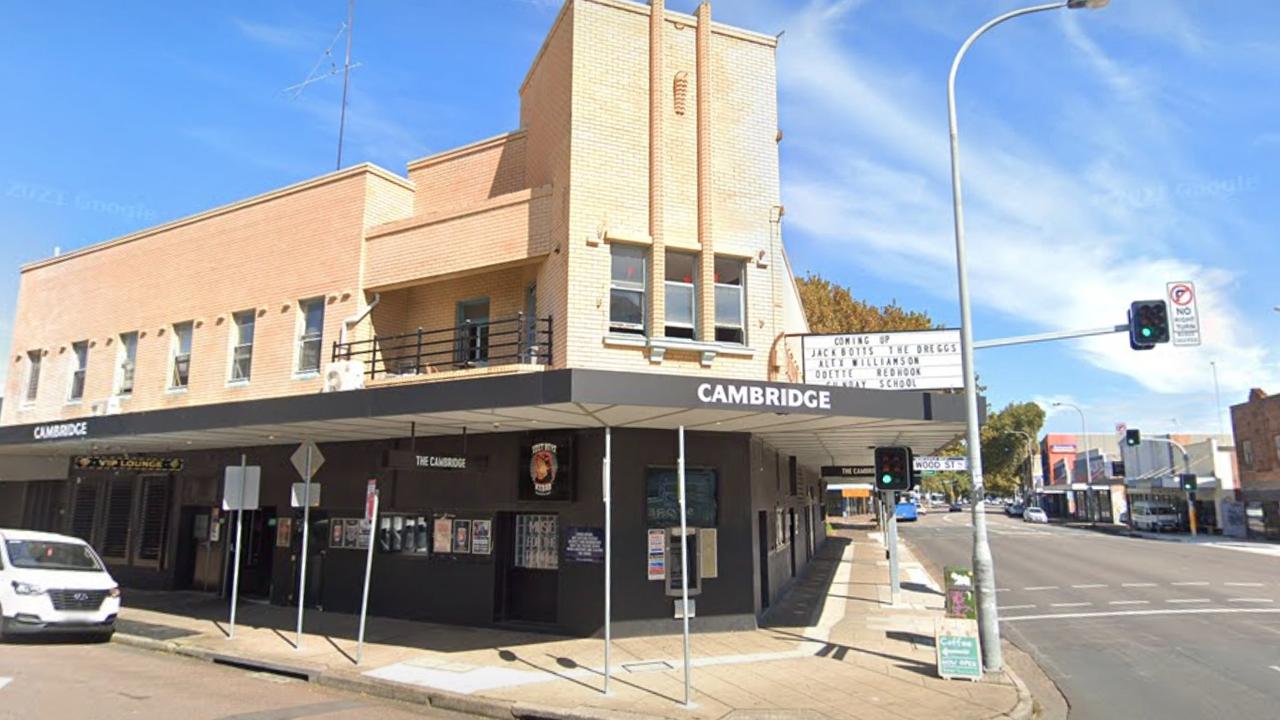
(684, 573)
(607, 471)
(1217, 397)
(1088, 466)
(346, 77)
(891, 508)
(306, 532)
(983, 567)
(235, 577)
(368, 573)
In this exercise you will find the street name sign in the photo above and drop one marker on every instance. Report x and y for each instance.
(939, 463)
(1184, 315)
(299, 460)
(913, 360)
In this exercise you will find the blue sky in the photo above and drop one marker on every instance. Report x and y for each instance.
(1105, 153)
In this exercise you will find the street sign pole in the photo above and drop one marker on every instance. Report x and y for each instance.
(235, 577)
(372, 519)
(684, 574)
(892, 510)
(607, 472)
(306, 532)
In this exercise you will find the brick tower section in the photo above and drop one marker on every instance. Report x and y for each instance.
(657, 206)
(707, 298)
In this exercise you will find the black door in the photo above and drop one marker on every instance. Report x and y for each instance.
(764, 558)
(791, 538)
(531, 587)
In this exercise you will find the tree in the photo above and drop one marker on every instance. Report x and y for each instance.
(831, 308)
(1004, 448)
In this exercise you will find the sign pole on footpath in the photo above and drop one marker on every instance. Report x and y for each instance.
(370, 517)
(684, 574)
(235, 577)
(892, 510)
(607, 473)
(306, 532)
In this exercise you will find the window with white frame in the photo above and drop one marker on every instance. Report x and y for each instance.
(180, 360)
(627, 285)
(311, 332)
(242, 345)
(33, 374)
(731, 326)
(128, 363)
(681, 295)
(1247, 446)
(79, 364)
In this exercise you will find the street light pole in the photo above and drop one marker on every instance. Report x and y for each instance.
(1030, 454)
(1088, 465)
(983, 567)
(1217, 397)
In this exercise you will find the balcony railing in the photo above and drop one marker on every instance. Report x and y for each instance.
(468, 344)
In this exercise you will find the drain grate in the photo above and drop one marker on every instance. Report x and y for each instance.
(648, 666)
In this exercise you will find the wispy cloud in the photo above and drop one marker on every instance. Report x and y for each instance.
(280, 37)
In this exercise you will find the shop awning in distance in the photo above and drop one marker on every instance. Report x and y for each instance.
(819, 425)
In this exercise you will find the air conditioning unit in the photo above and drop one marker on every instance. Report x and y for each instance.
(109, 406)
(344, 375)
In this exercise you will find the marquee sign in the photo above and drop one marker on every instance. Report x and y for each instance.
(128, 463)
(913, 360)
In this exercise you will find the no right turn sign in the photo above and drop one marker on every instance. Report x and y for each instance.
(1184, 317)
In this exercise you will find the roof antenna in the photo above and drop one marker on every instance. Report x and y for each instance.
(316, 75)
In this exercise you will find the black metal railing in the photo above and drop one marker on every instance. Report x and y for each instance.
(468, 344)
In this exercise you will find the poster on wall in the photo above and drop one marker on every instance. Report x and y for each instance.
(657, 554)
(662, 497)
(284, 532)
(336, 533)
(462, 536)
(351, 533)
(546, 468)
(481, 537)
(584, 545)
(442, 534)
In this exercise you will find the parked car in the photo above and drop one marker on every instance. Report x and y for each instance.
(1013, 510)
(1155, 516)
(906, 511)
(56, 584)
(955, 507)
(1034, 515)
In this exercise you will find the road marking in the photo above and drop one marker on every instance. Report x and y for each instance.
(1041, 587)
(1093, 585)
(1188, 600)
(1242, 584)
(1002, 589)
(1075, 604)
(1014, 607)
(1276, 668)
(1195, 582)
(1251, 600)
(1123, 613)
(1137, 584)
(5, 681)
(1129, 602)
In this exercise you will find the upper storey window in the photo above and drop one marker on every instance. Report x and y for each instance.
(627, 285)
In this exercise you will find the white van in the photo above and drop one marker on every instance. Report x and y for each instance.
(1154, 515)
(54, 583)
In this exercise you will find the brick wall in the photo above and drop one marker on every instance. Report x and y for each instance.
(1257, 423)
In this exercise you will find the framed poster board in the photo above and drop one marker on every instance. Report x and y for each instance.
(546, 467)
(442, 534)
(584, 545)
(662, 497)
(481, 537)
(462, 537)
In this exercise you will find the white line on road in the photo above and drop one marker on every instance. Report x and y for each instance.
(1129, 602)
(5, 681)
(1251, 600)
(1276, 668)
(1187, 600)
(1242, 584)
(1002, 589)
(1075, 604)
(1137, 584)
(1014, 607)
(1041, 587)
(1190, 582)
(1092, 585)
(1123, 613)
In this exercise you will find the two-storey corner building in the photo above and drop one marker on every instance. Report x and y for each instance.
(1256, 426)
(467, 337)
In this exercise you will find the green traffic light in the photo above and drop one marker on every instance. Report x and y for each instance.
(1146, 332)
(887, 479)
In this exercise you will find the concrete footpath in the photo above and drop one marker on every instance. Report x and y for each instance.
(833, 648)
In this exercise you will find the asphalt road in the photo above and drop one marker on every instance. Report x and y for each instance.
(107, 681)
(1126, 627)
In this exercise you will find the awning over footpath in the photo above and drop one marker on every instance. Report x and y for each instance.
(819, 425)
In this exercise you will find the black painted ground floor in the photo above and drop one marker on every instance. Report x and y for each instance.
(477, 529)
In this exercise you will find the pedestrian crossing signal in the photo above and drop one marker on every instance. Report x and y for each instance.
(893, 468)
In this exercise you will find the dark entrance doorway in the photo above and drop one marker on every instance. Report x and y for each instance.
(529, 567)
(763, 533)
(259, 536)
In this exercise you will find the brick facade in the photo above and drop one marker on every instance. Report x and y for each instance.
(657, 131)
(1256, 425)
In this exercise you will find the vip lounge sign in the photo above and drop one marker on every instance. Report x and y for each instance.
(132, 463)
(547, 468)
(919, 360)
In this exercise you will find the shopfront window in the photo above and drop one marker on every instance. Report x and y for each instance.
(627, 284)
(537, 542)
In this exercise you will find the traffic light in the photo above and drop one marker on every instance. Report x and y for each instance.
(1133, 437)
(893, 468)
(1188, 481)
(1148, 324)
